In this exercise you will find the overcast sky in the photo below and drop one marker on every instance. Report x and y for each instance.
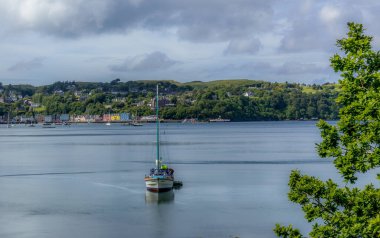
(43, 41)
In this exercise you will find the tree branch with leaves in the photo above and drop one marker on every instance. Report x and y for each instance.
(354, 144)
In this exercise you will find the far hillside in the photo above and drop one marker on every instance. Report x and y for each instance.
(238, 99)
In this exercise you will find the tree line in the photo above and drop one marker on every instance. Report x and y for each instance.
(238, 100)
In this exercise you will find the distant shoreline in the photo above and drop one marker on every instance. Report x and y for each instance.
(161, 121)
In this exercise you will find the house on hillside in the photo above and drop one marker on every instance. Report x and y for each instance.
(79, 118)
(124, 116)
(58, 92)
(48, 119)
(64, 117)
(118, 99)
(248, 94)
(114, 92)
(34, 105)
(139, 104)
(162, 102)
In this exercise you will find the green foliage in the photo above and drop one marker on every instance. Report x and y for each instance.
(22, 89)
(345, 212)
(202, 100)
(237, 83)
(354, 143)
(3, 109)
(287, 232)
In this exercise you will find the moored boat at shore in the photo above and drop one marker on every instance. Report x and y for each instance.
(47, 125)
(219, 119)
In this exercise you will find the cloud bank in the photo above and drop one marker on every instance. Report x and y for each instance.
(153, 61)
(27, 65)
(181, 40)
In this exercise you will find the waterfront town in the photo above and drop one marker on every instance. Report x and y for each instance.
(66, 118)
(116, 101)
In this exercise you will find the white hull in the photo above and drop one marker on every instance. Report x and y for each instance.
(158, 184)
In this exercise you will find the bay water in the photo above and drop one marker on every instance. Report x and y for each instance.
(87, 180)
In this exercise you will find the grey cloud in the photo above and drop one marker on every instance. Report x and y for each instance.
(292, 68)
(67, 18)
(198, 20)
(256, 67)
(224, 20)
(303, 33)
(153, 61)
(254, 70)
(27, 65)
(249, 46)
(287, 68)
(101, 59)
(318, 27)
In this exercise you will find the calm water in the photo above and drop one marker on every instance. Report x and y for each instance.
(87, 180)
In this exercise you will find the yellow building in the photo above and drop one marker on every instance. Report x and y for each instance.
(115, 117)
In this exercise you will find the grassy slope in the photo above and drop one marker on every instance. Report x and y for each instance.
(216, 83)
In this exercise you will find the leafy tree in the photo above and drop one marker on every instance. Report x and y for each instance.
(354, 143)
(115, 81)
(117, 106)
(3, 109)
(95, 109)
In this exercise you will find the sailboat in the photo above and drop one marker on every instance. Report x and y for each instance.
(135, 122)
(161, 177)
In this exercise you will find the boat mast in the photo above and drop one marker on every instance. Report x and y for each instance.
(8, 117)
(158, 164)
(8, 120)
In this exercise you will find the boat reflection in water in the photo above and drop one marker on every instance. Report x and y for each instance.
(159, 198)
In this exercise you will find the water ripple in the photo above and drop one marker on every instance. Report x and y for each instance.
(246, 162)
(60, 173)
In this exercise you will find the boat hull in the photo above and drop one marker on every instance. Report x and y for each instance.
(158, 185)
